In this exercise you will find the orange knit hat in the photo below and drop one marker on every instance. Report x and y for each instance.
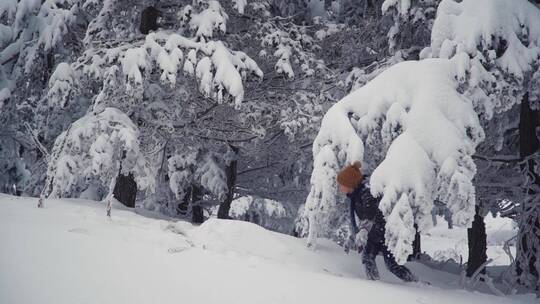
(351, 176)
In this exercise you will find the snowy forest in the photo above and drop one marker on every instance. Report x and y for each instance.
(169, 144)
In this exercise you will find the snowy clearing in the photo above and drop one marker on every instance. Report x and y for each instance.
(70, 252)
(442, 243)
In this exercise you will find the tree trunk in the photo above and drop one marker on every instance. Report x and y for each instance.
(417, 250)
(529, 122)
(477, 244)
(231, 172)
(125, 189)
(197, 215)
(528, 241)
(149, 18)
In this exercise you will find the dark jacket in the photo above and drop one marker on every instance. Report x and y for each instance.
(366, 207)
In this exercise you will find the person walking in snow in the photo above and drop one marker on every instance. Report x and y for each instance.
(372, 224)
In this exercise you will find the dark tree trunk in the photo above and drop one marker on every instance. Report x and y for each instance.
(149, 18)
(417, 250)
(529, 122)
(477, 244)
(416, 246)
(125, 190)
(231, 172)
(197, 215)
(528, 243)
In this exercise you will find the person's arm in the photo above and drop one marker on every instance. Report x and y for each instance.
(358, 237)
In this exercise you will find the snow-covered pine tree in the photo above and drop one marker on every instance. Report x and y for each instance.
(138, 73)
(499, 42)
(416, 134)
(382, 121)
(183, 85)
(33, 34)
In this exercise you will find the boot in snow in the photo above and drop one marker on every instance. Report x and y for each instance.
(370, 266)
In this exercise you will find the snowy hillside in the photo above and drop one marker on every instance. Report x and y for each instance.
(70, 252)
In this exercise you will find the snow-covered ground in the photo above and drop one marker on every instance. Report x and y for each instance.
(442, 243)
(70, 252)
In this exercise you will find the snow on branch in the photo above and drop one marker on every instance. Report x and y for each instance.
(219, 70)
(408, 17)
(61, 85)
(427, 133)
(240, 5)
(498, 43)
(402, 6)
(36, 26)
(291, 44)
(196, 167)
(208, 20)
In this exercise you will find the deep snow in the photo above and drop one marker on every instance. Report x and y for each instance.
(70, 252)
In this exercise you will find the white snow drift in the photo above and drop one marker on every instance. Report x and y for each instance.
(70, 252)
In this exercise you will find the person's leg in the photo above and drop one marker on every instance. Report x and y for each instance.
(368, 259)
(399, 271)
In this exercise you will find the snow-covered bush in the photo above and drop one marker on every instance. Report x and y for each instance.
(97, 146)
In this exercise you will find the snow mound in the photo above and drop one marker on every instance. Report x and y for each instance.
(241, 237)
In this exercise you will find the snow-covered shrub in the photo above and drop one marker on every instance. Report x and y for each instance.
(99, 145)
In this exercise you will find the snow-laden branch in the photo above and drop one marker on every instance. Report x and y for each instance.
(220, 71)
(427, 132)
(498, 42)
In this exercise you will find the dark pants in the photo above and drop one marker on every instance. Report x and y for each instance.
(375, 245)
